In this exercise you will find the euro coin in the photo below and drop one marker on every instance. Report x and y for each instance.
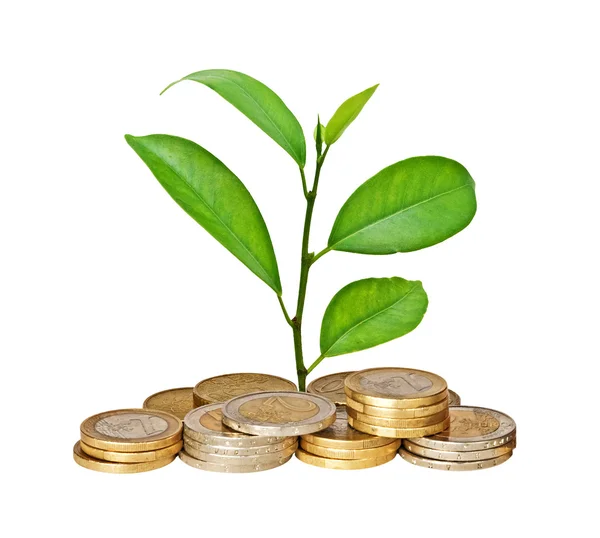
(341, 436)
(94, 464)
(399, 422)
(237, 451)
(395, 387)
(205, 425)
(131, 457)
(131, 430)
(329, 463)
(452, 465)
(330, 386)
(279, 413)
(349, 454)
(224, 387)
(178, 402)
(220, 468)
(453, 398)
(471, 429)
(280, 456)
(391, 412)
(447, 455)
(398, 433)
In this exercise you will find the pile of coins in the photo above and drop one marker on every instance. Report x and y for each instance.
(397, 403)
(477, 438)
(128, 441)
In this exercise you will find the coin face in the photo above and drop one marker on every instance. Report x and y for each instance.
(329, 463)
(221, 468)
(395, 387)
(448, 455)
(224, 387)
(94, 464)
(131, 430)
(178, 402)
(330, 386)
(472, 428)
(452, 465)
(131, 457)
(453, 398)
(279, 413)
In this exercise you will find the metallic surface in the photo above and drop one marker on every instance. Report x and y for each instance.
(453, 398)
(83, 459)
(178, 402)
(350, 454)
(219, 468)
(264, 459)
(452, 465)
(237, 451)
(399, 422)
(390, 412)
(398, 433)
(447, 455)
(131, 457)
(328, 463)
(330, 386)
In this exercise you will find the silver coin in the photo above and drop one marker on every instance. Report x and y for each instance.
(279, 413)
(237, 451)
(471, 429)
(452, 465)
(220, 468)
(243, 460)
(447, 455)
(204, 425)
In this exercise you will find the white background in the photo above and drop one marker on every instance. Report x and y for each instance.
(110, 292)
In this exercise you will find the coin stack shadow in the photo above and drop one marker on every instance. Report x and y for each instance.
(211, 446)
(477, 438)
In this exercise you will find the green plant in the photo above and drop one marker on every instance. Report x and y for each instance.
(410, 205)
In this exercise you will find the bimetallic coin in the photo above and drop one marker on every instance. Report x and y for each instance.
(279, 413)
(330, 386)
(178, 402)
(131, 457)
(395, 387)
(281, 457)
(452, 465)
(350, 454)
(131, 430)
(390, 412)
(341, 436)
(220, 468)
(236, 451)
(470, 429)
(399, 422)
(87, 461)
(224, 387)
(205, 425)
(453, 398)
(398, 433)
(329, 463)
(447, 455)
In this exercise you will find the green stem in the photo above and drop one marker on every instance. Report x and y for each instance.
(284, 310)
(315, 364)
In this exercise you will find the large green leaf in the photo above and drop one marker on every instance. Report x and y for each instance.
(407, 206)
(259, 104)
(369, 312)
(214, 197)
(346, 114)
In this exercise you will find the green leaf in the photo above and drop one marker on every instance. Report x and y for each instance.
(214, 197)
(259, 104)
(408, 206)
(316, 132)
(369, 312)
(346, 114)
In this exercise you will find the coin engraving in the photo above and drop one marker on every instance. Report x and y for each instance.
(401, 384)
(467, 423)
(278, 410)
(131, 426)
(213, 421)
(178, 402)
(226, 387)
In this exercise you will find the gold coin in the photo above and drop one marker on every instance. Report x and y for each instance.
(330, 386)
(400, 388)
(350, 454)
(452, 465)
(83, 459)
(329, 463)
(234, 450)
(261, 459)
(398, 433)
(220, 468)
(448, 455)
(341, 436)
(399, 422)
(453, 398)
(470, 429)
(131, 430)
(131, 457)
(225, 387)
(390, 412)
(178, 402)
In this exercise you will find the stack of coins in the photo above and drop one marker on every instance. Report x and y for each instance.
(211, 446)
(397, 402)
(128, 441)
(476, 438)
(224, 387)
(342, 447)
